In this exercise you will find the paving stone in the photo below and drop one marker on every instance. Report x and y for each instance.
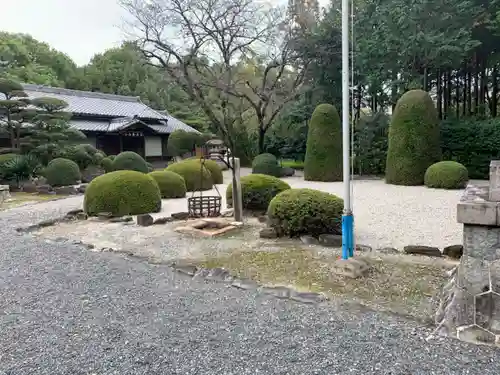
(423, 250)
(388, 250)
(363, 248)
(330, 240)
(245, 284)
(353, 267)
(307, 297)
(268, 233)
(454, 251)
(281, 292)
(309, 240)
(180, 215)
(145, 220)
(162, 220)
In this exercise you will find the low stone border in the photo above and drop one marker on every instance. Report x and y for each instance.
(223, 276)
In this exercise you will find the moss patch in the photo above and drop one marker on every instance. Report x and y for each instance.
(403, 287)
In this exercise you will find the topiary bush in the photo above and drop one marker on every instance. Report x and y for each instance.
(196, 178)
(121, 193)
(266, 164)
(295, 212)
(414, 139)
(257, 190)
(62, 172)
(171, 184)
(130, 161)
(446, 175)
(107, 164)
(181, 142)
(214, 168)
(323, 161)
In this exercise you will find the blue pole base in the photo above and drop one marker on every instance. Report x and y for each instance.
(347, 236)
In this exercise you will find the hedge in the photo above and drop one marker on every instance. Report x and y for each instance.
(446, 175)
(62, 172)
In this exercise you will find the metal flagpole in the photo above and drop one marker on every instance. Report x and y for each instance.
(347, 217)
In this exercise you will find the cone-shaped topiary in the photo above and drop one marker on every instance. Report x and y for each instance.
(323, 161)
(257, 190)
(130, 161)
(62, 172)
(171, 184)
(122, 193)
(446, 175)
(196, 177)
(305, 211)
(414, 142)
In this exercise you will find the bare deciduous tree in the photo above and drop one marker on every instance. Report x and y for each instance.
(201, 44)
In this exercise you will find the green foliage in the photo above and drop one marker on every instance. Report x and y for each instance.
(414, 139)
(473, 143)
(446, 175)
(131, 161)
(323, 161)
(6, 157)
(181, 142)
(18, 168)
(107, 164)
(266, 164)
(83, 155)
(62, 172)
(214, 168)
(171, 184)
(111, 157)
(294, 164)
(295, 212)
(196, 178)
(257, 190)
(121, 193)
(370, 144)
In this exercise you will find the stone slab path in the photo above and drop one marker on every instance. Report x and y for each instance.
(66, 310)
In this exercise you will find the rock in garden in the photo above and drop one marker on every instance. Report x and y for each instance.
(74, 212)
(44, 189)
(307, 297)
(120, 219)
(388, 250)
(353, 267)
(81, 216)
(104, 215)
(227, 212)
(281, 292)
(180, 215)
(268, 233)
(81, 189)
(422, 250)
(454, 251)
(245, 284)
(29, 187)
(330, 240)
(65, 190)
(262, 219)
(145, 220)
(309, 240)
(363, 248)
(287, 172)
(162, 220)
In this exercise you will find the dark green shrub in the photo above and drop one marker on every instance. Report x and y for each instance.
(257, 190)
(107, 164)
(305, 211)
(266, 164)
(111, 157)
(323, 161)
(150, 167)
(171, 184)
(62, 172)
(446, 175)
(473, 143)
(121, 193)
(19, 168)
(414, 142)
(370, 144)
(196, 178)
(181, 142)
(130, 161)
(6, 157)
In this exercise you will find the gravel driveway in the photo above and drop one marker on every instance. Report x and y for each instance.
(65, 310)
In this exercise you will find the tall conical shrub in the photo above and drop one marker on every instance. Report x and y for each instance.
(414, 142)
(323, 160)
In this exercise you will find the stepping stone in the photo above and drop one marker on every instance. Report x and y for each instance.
(454, 251)
(423, 250)
(330, 240)
(180, 215)
(309, 240)
(145, 220)
(352, 267)
(363, 248)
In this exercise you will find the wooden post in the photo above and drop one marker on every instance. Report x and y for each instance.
(237, 198)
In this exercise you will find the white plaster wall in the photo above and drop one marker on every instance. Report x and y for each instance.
(153, 146)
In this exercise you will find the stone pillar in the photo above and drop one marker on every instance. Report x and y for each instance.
(470, 305)
(4, 193)
(237, 198)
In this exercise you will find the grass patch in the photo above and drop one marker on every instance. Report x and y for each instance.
(297, 165)
(21, 199)
(403, 287)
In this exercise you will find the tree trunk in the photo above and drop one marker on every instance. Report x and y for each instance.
(494, 92)
(262, 134)
(439, 94)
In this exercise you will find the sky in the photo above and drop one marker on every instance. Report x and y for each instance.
(79, 28)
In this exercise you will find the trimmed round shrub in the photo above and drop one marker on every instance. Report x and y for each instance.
(414, 139)
(62, 172)
(196, 178)
(446, 175)
(266, 164)
(122, 193)
(171, 184)
(214, 168)
(181, 142)
(295, 212)
(107, 164)
(111, 157)
(323, 161)
(257, 190)
(130, 161)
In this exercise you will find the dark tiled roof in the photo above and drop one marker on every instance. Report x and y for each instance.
(124, 122)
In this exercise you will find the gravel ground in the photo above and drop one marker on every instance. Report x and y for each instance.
(66, 310)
